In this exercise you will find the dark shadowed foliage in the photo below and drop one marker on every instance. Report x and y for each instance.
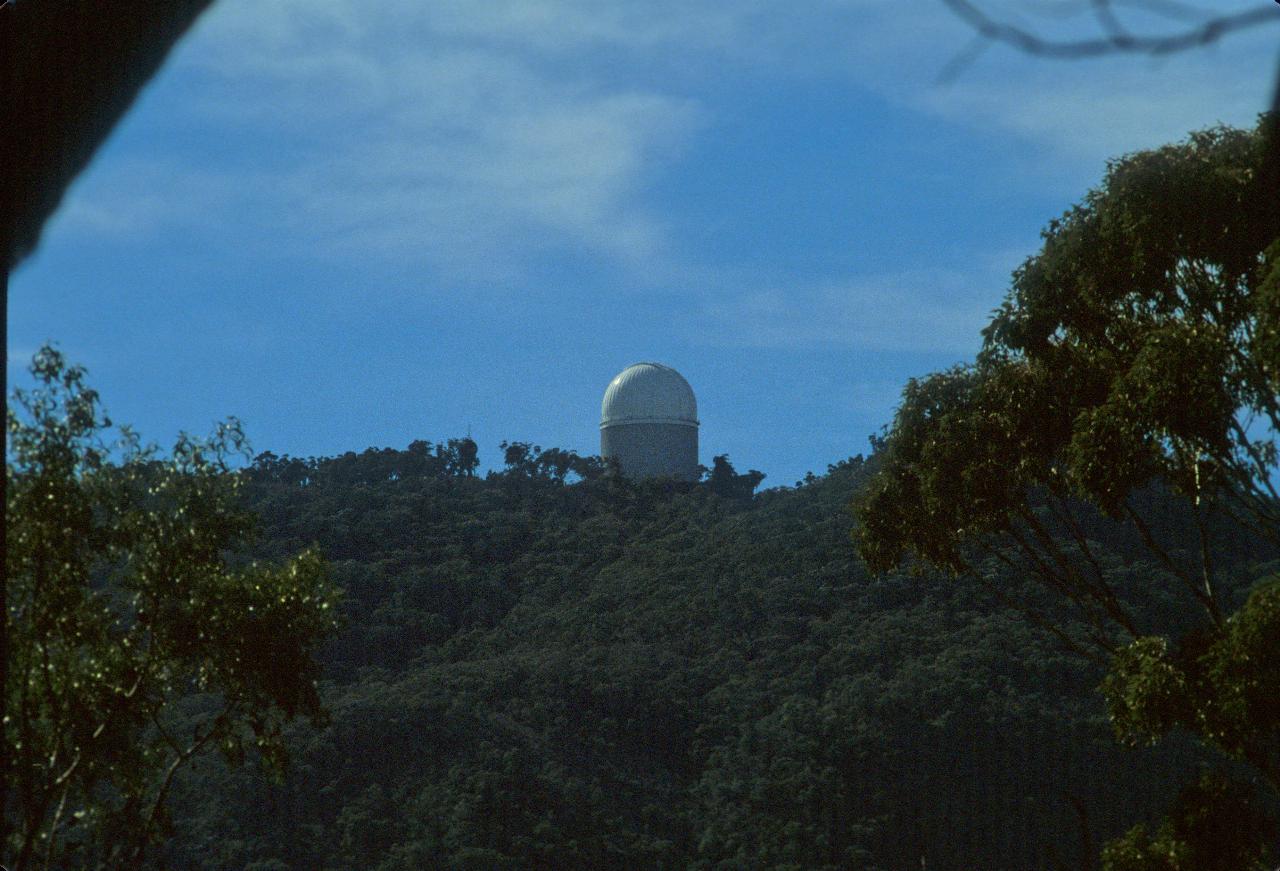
(555, 667)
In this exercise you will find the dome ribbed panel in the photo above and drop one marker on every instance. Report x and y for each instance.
(649, 393)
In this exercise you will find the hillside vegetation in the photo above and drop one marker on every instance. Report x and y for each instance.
(554, 667)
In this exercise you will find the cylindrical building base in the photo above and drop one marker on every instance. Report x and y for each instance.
(652, 450)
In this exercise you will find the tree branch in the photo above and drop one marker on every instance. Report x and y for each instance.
(1206, 568)
(57, 818)
(1260, 466)
(1101, 594)
(1150, 541)
(162, 793)
(1034, 615)
(1108, 596)
(1119, 40)
(1062, 585)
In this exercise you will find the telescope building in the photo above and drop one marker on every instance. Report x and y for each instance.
(649, 422)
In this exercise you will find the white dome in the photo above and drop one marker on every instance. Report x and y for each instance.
(649, 393)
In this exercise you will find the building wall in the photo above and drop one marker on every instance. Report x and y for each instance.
(649, 450)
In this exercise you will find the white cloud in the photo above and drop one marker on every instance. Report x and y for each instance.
(136, 198)
(454, 154)
(508, 183)
(915, 312)
(467, 137)
(1086, 112)
(361, 53)
(18, 360)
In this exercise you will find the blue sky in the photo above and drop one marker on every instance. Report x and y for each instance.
(358, 224)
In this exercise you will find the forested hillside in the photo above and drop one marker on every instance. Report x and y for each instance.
(554, 667)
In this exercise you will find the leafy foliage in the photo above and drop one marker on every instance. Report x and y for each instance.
(1216, 825)
(1221, 686)
(547, 670)
(121, 602)
(1133, 349)
(1134, 359)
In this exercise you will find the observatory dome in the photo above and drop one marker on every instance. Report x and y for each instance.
(648, 393)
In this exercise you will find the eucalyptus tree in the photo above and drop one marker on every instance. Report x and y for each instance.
(1139, 350)
(137, 639)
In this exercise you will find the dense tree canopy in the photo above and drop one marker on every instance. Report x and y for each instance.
(568, 669)
(1139, 346)
(1135, 358)
(135, 642)
(554, 666)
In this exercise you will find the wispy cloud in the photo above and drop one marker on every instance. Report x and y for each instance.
(136, 198)
(18, 360)
(1088, 112)
(465, 160)
(462, 59)
(469, 137)
(463, 154)
(505, 185)
(920, 311)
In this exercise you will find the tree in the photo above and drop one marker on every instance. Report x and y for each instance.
(523, 460)
(137, 640)
(1214, 826)
(1138, 352)
(725, 481)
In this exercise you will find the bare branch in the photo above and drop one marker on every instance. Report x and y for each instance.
(53, 827)
(1086, 605)
(1206, 569)
(1100, 594)
(1259, 464)
(963, 60)
(1118, 38)
(1169, 9)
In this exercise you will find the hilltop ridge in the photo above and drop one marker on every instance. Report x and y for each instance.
(555, 667)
